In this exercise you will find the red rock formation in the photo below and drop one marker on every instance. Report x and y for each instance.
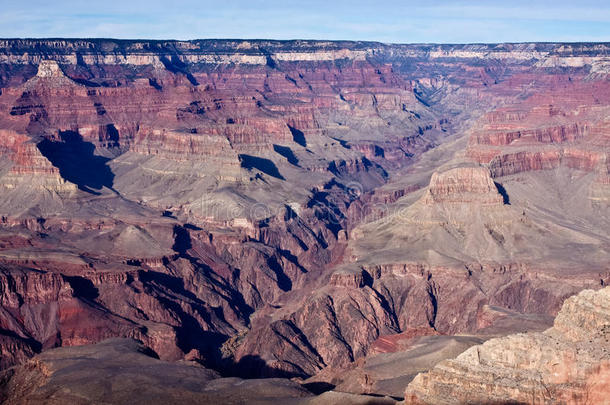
(507, 164)
(213, 185)
(400, 341)
(26, 158)
(534, 135)
(349, 278)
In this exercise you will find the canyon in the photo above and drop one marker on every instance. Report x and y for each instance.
(307, 220)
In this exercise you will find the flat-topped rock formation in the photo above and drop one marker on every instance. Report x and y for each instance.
(470, 185)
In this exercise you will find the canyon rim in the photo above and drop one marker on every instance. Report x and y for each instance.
(304, 222)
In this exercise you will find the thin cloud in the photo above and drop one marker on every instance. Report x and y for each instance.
(389, 21)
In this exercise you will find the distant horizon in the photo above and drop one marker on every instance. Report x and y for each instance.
(390, 22)
(291, 40)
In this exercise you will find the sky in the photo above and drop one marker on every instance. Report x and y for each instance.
(431, 21)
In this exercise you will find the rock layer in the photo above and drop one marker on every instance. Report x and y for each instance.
(569, 363)
(466, 185)
(269, 208)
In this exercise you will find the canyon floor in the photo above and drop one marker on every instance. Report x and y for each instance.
(304, 222)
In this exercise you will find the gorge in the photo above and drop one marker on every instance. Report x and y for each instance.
(314, 220)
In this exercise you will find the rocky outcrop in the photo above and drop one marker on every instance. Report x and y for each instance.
(507, 164)
(29, 171)
(49, 68)
(569, 363)
(559, 134)
(463, 185)
(350, 278)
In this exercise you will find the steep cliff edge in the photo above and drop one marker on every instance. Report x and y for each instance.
(569, 363)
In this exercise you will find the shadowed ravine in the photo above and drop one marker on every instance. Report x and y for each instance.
(77, 162)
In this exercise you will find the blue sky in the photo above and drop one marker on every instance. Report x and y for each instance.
(441, 21)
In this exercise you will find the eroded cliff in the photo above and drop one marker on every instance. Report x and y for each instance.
(569, 363)
(277, 208)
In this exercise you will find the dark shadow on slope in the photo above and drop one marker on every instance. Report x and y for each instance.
(368, 280)
(182, 246)
(85, 82)
(327, 212)
(190, 334)
(192, 227)
(287, 254)
(77, 162)
(343, 143)
(421, 97)
(252, 366)
(109, 136)
(154, 83)
(264, 165)
(379, 151)
(298, 136)
(287, 153)
(170, 283)
(503, 193)
(28, 103)
(182, 240)
(318, 387)
(270, 62)
(82, 287)
(99, 109)
(33, 344)
(147, 351)
(434, 302)
(283, 281)
(175, 65)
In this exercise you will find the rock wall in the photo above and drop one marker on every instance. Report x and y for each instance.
(569, 363)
